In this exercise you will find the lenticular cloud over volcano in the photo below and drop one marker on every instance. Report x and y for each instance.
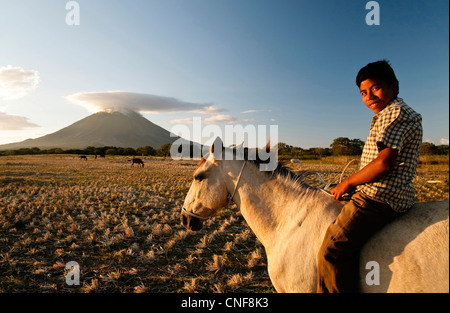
(122, 101)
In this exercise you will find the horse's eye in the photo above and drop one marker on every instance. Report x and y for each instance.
(199, 177)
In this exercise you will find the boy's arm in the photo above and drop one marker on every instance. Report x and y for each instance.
(383, 164)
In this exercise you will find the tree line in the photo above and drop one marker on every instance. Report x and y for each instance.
(164, 150)
(340, 146)
(345, 146)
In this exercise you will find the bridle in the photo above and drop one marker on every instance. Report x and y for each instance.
(229, 196)
(194, 215)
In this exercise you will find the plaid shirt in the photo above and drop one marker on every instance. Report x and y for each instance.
(399, 127)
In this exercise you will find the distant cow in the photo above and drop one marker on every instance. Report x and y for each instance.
(296, 161)
(137, 161)
(83, 157)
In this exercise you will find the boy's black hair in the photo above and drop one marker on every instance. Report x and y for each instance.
(380, 70)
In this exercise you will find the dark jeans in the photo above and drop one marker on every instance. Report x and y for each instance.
(338, 258)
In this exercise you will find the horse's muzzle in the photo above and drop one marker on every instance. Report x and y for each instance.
(191, 222)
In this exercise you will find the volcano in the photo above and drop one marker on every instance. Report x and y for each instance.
(101, 129)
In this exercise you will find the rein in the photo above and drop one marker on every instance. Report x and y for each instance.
(229, 196)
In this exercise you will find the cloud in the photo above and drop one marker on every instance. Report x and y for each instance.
(14, 122)
(213, 120)
(220, 119)
(255, 111)
(15, 82)
(138, 102)
(209, 120)
(444, 141)
(187, 120)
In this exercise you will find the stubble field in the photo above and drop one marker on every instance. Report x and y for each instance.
(122, 226)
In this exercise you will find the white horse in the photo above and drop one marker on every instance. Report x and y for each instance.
(290, 219)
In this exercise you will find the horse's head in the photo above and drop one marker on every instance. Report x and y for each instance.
(217, 179)
(208, 191)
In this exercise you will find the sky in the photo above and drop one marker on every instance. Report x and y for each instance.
(287, 63)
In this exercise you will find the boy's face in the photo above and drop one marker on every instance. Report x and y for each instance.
(376, 94)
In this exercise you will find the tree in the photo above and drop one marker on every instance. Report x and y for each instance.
(345, 146)
(321, 152)
(164, 150)
(284, 148)
(89, 150)
(428, 148)
(110, 151)
(128, 151)
(147, 150)
(100, 151)
(443, 149)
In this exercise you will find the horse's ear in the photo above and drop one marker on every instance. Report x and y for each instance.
(240, 147)
(268, 146)
(217, 148)
(239, 151)
(268, 157)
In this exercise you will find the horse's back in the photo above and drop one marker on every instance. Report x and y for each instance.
(412, 252)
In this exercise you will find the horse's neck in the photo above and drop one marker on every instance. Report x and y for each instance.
(267, 205)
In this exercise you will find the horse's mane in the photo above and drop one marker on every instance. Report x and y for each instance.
(295, 179)
(288, 177)
(284, 174)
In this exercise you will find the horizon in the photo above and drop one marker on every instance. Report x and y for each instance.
(193, 142)
(285, 63)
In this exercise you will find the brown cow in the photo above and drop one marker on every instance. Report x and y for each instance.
(137, 161)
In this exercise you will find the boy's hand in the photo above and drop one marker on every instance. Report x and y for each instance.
(341, 189)
(383, 164)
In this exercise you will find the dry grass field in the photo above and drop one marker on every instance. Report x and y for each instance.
(122, 226)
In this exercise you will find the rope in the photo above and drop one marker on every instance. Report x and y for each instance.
(345, 168)
(326, 185)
